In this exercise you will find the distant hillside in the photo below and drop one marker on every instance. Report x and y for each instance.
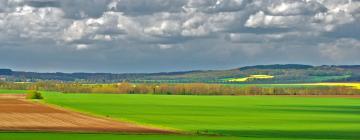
(6, 72)
(287, 73)
(277, 66)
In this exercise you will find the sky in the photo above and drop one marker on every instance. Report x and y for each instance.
(130, 36)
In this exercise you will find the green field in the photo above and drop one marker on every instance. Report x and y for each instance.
(235, 116)
(12, 91)
(215, 117)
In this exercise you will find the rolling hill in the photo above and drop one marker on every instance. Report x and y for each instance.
(278, 73)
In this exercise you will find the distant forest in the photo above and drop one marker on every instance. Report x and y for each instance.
(180, 89)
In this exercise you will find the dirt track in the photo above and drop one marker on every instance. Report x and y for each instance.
(17, 114)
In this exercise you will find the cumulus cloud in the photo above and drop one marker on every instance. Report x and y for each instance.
(270, 21)
(136, 26)
(287, 8)
(30, 23)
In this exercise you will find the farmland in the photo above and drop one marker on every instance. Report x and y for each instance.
(251, 77)
(14, 111)
(12, 91)
(211, 117)
(314, 85)
(179, 69)
(353, 85)
(242, 116)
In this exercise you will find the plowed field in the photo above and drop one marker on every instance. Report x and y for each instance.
(17, 114)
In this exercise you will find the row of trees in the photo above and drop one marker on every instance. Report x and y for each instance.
(178, 89)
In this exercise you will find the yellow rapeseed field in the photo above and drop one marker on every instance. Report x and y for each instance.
(251, 77)
(354, 85)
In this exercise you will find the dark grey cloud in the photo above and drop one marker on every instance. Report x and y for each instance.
(43, 3)
(79, 9)
(146, 7)
(169, 35)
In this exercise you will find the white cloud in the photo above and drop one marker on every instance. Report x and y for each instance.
(33, 23)
(269, 21)
(164, 28)
(82, 46)
(106, 28)
(295, 8)
(166, 46)
(162, 21)
(332, 19)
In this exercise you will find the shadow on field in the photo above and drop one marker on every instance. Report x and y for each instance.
(291, 134)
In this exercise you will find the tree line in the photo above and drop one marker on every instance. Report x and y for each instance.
(178, 89)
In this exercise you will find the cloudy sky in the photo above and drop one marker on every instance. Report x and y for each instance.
(175, 35)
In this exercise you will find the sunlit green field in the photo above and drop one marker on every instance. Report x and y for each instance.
(213, 117)
(235, 116)
(12, 91)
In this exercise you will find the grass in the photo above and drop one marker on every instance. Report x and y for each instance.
(8, 91)
(256, 117)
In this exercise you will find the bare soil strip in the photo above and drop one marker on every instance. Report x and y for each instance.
(17, 114)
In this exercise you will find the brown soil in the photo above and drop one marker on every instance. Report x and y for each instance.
(18, 114)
